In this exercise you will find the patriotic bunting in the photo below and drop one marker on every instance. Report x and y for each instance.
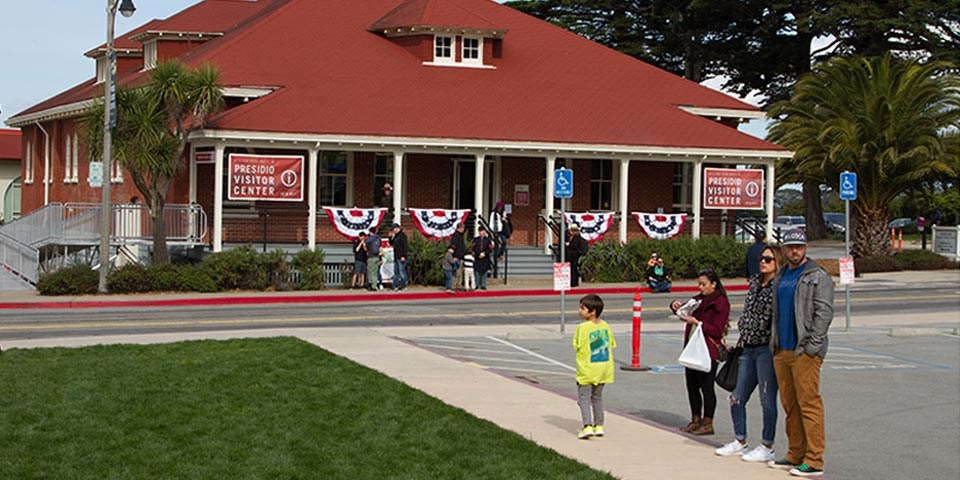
(436, 223)
(660, 226)
(592, 225)
(349, 222)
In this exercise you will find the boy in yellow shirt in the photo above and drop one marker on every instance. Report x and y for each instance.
(593, 343)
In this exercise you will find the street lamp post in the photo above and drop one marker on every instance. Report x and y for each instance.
(126, 9)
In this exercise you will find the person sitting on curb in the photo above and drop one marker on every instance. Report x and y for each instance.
(658, 277)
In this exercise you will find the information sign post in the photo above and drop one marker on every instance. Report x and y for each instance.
(848, 191)
(563, 188)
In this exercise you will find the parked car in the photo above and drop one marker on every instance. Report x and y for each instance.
(786, 222)
(835, 222)
(902, 222)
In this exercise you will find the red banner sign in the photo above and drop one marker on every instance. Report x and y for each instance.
(732, 188)
(277, 178)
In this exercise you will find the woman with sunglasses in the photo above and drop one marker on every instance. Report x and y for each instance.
(712, 313)
(756, 364)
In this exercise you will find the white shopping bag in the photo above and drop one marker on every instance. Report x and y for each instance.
(695, 355)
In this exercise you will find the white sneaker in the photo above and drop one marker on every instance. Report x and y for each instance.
(731, 449)
(759, 454)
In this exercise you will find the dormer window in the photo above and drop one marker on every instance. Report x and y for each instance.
(102, 68)
(443, 49)
(472, 50)
(149, 54)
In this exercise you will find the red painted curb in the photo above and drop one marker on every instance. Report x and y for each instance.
(346, 298)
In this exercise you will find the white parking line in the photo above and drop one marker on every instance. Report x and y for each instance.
(547, 359)
(468, 349)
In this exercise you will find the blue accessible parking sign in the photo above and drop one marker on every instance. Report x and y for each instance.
(563, 183)
(848, 186)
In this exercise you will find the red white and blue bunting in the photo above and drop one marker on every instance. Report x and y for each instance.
(660, 226)
(593, 225)
(349, 222)
(437, 223)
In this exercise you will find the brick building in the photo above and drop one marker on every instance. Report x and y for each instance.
(457, 103)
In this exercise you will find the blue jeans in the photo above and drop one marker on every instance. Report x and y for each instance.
(756, 368)
(448, 275)
(481, 279)
(663, 286)
(399, 274)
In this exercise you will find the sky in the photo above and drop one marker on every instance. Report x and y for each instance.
(42, 43)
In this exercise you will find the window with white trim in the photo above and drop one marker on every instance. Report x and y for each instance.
(102, 68)
(67, 158)
(601, 185)
(443, 46)
(149, 54)
(75, 174)
(117, 176)
(333, 179)
(382, 175)
(472, 50)
(683, 187)
(28, 164)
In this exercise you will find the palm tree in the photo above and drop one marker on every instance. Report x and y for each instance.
(154, 123)
(884, 119)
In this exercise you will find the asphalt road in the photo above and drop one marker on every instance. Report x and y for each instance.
(21, 324)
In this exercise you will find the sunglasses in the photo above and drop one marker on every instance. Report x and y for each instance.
(767, 259)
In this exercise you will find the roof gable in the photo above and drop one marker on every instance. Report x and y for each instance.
(432, 13)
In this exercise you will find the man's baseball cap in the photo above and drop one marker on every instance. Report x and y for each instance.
(794, 237)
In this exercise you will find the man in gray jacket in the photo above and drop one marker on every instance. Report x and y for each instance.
(802, 313)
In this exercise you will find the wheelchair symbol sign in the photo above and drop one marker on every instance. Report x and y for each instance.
(563, 183)
(848, 186)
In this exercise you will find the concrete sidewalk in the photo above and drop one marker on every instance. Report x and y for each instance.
(30, 299)
(632, 449)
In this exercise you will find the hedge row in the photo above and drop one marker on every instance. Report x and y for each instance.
(236, 269)
(614, 262)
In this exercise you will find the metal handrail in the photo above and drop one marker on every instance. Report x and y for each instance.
(20, 259)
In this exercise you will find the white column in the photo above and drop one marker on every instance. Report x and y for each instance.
(624, 214)
(478, 189)
(192, 195)
(312, 197)
(397, 186)
(771, 185)
(697, 197)
(551, 164)
(218, 198)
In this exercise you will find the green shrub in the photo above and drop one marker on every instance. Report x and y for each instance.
(877, 263)
(235, 269)
(275, 270)
(130, 279)
(426, 260)
(611, 261)
(923, 260)
(194, 278)
(310, 265)
(76, 280)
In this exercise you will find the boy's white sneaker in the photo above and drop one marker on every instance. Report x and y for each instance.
(759, 454)
(731, 449)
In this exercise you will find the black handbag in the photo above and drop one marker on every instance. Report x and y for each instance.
(727, 375)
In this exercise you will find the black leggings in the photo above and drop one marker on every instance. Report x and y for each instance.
(700, 391)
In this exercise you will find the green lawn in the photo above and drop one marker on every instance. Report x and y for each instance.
(271, 408)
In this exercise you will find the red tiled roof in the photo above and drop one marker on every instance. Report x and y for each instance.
(9, 144)
(445, 13)
(549, 86)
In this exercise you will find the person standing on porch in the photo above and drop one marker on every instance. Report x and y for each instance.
(401, 248)
(482, 249)
(576, 248)
(497, 230)
(373, 260)
(459, 245)
(386, 201)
